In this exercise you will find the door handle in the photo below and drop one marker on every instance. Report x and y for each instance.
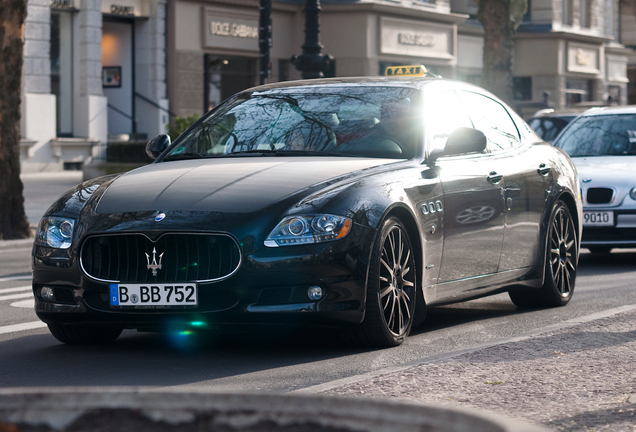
(494, 178)
(544, 169)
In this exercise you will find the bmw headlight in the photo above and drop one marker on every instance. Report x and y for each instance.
(306, 229)
(55, 232)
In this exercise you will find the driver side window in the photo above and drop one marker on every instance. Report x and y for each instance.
(443, 117)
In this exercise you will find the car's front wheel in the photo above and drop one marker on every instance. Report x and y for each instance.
(561, 264)
(83, 335)
(391, 289)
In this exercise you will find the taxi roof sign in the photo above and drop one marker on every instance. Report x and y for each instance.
(406, 71)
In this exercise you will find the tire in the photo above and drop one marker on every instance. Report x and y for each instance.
(83, 335)
(391, 290)
(600, 250)
(560, 266)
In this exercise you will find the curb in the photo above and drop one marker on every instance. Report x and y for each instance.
(81, 409)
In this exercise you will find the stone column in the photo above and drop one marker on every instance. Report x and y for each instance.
(150, 71)
(91, 112)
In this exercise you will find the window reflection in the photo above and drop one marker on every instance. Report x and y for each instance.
(601, 136)
(345, 121)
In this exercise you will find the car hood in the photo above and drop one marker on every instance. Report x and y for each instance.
(229, 185)
(605, 170)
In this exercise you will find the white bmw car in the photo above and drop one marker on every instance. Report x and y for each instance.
(602, 144)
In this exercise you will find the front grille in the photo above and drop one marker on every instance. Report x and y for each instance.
(599, 195)
(182, 257)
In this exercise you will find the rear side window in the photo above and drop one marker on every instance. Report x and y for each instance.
(492, 118)
(443, 117)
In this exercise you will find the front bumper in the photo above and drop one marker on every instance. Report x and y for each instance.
(622, 234)
(269, 287)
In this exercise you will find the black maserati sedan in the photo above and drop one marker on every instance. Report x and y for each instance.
(347, 203)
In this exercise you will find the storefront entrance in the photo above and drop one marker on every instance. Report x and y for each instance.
(225, 76)
(117, 74)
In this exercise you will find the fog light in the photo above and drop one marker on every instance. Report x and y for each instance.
(47, 293)
(314, 293)
(632, 194)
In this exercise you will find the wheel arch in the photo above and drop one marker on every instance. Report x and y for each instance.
(569, 200)
(407, 218)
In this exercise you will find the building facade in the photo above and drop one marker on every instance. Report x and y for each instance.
(93, 69)
(100, 70)
(567, 52)
(213, 44)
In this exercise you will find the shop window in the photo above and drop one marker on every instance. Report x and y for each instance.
(567, 12)
(527, 17)
(522, 87)
(61, 56)
(614, 94)
(585, 17)
(578, 90)
(225, 76)
(283, 70)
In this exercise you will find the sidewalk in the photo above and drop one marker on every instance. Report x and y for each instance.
(581, 378)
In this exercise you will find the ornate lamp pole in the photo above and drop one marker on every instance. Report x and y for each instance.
(311, 62)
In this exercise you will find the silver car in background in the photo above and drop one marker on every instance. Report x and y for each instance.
(602, 144)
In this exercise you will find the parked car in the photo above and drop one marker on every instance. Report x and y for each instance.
(602, 144)
(353, 203)
(548, 123)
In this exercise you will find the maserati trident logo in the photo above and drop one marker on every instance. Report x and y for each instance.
(154, 266)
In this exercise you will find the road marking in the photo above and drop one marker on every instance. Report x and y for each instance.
(319, 388)
(16, 296)
(16, 278)
(16, 289)
(21, 327)
(27, 304)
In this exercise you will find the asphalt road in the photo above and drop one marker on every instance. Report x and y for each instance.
(269, 359)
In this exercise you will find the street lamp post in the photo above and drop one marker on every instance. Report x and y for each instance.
(311, 62)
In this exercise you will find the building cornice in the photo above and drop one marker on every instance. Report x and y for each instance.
(415, 11)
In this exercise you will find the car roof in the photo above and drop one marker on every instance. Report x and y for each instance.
(625, 109)
(415, 82)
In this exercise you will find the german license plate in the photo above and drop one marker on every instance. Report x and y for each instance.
(598, 218)
(184, 294)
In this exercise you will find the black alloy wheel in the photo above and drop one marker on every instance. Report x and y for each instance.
(561, 264)
(391, 289)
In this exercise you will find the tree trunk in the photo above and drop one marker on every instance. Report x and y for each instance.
(13, 220)
(500, 19)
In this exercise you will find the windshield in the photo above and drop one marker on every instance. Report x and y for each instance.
(606, 135)
(368, 121)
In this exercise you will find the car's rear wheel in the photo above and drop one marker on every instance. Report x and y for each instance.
(83, 335)
(561, 264)
(391, 289)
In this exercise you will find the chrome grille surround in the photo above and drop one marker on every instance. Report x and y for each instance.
(188, 257)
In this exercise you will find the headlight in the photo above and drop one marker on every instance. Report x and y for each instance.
(305, 229)
(56, 232)
(632, 194)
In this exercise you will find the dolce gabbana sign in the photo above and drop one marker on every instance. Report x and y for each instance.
(413, 38)
(224, 28)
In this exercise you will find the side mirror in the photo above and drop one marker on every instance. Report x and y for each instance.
(157, 145)
(465, 140)
(462, 141)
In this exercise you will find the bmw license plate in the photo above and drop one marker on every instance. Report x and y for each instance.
(598, 218)
(152, 295)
